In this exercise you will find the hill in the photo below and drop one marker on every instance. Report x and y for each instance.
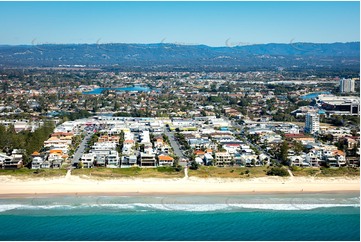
(178, 57)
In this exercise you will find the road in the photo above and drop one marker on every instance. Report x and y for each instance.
(80, 151)
(175, 146)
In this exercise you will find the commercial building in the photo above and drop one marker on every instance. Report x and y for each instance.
(344, 105)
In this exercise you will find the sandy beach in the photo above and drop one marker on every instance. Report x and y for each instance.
(11, 186)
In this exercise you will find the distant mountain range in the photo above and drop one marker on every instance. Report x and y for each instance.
(179, 57)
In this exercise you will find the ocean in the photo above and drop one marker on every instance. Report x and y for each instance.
(320, 217)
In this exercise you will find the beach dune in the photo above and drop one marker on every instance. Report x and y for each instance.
(88, 185)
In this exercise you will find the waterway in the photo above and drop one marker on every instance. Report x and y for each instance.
(313, 95)
(97, 91)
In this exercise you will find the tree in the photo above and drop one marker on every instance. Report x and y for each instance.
(194, 165)
(80, 165)
(284, 152)
(297, 147)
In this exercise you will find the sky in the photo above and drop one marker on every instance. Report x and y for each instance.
(209, 23)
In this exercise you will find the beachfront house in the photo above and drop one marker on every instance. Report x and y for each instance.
(165, 160)
(4, 159)
(238, 159)
(147, 160)
(87, 160)
(199, 160)
(208, 159)
(15, 161)
(36, 163)
(45, 165)
(312, 159)
(101, 159)
(223, 159)
(113, 159)
(297, 160)
(56, 164)
(128, 161)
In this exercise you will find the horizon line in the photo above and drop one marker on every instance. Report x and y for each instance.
(235, 44)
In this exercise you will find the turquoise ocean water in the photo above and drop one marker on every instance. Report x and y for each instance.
(320, 217)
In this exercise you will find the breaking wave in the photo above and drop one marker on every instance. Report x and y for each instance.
(142, 207)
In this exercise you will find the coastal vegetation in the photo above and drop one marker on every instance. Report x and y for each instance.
(24, 140)
(326, 172)
(28, 173)
(277, 171)
(201, 172)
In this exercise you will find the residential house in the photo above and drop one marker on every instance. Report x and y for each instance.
(45, 165)
(16, 160)
(55, 154)
(199, 153)
(250, 159)
(208, 159)
(87, 160)
(56, 164)
(312, 159)
(238, 159)
(297, 160)
(199, 160)
(113, 159)
(147, 160)
(165, 160)
(37, 162)
(128, 161)
(4, 159)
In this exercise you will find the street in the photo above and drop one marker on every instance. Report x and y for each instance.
(80, 151)
(175, 146)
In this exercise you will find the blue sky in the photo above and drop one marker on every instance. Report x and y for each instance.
(210, 23)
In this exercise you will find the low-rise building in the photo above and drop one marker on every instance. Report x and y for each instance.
(113, 159)
(128, 161)
(223, 159)
(87, 160)
(208, 159)
(36, 163)
(165, 160)
(147, 160)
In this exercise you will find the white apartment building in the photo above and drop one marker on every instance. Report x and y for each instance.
(312, 123)
(347, 85)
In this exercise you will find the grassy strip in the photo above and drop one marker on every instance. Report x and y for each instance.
(228, 172)
(326, 172)
(170, 172)
(160, 172)
(28, 173)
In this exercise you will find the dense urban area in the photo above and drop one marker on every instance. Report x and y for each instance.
(235, 124)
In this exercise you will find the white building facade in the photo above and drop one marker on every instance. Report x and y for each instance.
(347, 85)
(312, 123)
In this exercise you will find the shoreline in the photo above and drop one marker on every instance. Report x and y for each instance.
(87, 186)
(128, 194)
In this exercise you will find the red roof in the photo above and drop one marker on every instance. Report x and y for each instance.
(199, 152)
(165, 157)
